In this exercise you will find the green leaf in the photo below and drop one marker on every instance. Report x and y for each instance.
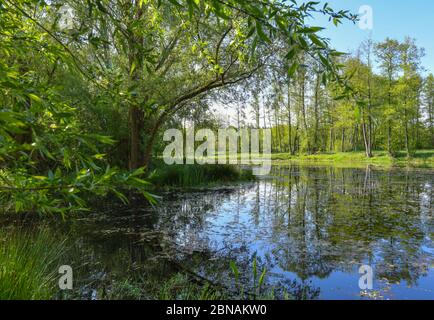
(234, 269)
(133, 67)
(152, 198)
(176, 3)
(34, 98)
(317, 41)
(292, 69)
(261, 32)
(311, 29)
(262, 278)
(291, 53)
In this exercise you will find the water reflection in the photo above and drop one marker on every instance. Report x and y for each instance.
(316, 226)
(310, 227)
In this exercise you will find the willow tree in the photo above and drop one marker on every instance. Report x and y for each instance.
(48, 163)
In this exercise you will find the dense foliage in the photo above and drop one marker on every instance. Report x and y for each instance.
(86, 85)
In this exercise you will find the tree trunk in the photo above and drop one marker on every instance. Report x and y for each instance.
(290, 145)
(431, 122)
(331, 146)
(316, 107)
(407, 142)
(343, 140)
(296, 144)
(135, 112)
(389, 137)
(389, 122)
(303, 110)
(291, 150)
(366, 138)
(357, 140)
(366, 141)
(150, 145)
(278, 133)
(136, 125)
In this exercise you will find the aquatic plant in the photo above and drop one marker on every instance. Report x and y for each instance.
(196, 175)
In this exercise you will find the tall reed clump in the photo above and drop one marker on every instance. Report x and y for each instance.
(29, 264)
(198, 175)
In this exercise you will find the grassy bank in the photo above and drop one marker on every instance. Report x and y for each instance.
(421, 158)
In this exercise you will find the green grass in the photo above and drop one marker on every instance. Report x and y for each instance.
(197, 175)
(28, 265)
(421, 158)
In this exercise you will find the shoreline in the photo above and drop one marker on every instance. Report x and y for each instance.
(421, 159)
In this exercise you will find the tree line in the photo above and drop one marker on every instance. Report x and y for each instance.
(386, 103)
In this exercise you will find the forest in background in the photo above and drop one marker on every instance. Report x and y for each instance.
(387, 105)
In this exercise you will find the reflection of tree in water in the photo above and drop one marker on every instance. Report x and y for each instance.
(303, 222)
(312, 222)
(358, 216)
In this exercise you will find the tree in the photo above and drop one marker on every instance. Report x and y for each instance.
(387, 53)
(361, 83)
(429, 104)
(409, 89)
(47, 163)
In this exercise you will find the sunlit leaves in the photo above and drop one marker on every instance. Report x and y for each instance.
(49, 163)
(148, 53)
(270, 20)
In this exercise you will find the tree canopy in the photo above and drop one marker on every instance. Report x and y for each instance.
(86, 85)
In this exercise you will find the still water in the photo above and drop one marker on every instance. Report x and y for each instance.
(313, 227)
(310, 228)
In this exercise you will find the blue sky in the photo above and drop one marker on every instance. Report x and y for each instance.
(392, 18)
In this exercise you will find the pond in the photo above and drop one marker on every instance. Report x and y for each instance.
(309, 227)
